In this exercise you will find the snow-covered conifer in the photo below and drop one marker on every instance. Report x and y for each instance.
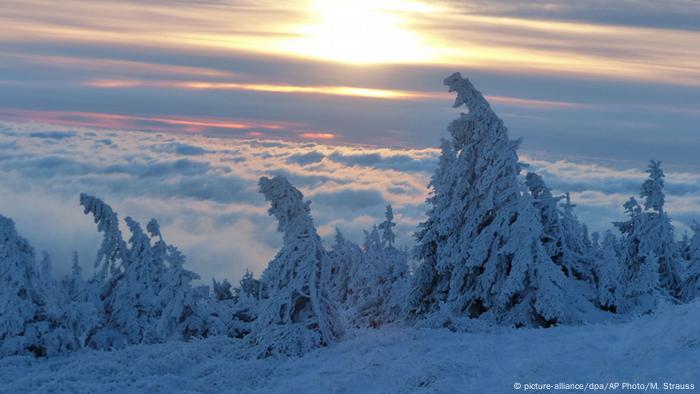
(563, 235)
(146, 293)
(176, 300)
(481, 254)
(231, 312)
(45, 268)
(221, 290)
(608, 271)
(378, 283)
(649, 250)
(431, 281)
(345, 259)
(639, 290)
(387, 227)
(113, 251)
(298, 314)
(73, 284)
(31, 321)
(691, 286)
(250, 287)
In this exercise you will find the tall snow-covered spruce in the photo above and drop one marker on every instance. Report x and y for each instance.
(480, 248)
(298, 314)
(649, 250)
(31, 320)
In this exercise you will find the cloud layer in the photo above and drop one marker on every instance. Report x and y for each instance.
(203, 189)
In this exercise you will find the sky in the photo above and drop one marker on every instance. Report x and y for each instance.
(596, 79)
(174, 108)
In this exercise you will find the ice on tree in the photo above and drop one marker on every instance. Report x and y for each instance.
(32, 319)
(691, 287)
(480, 248)
(298, 313)
(387, 227)
(649, 250)
(113, 251)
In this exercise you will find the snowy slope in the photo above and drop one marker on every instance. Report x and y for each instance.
(660, 348)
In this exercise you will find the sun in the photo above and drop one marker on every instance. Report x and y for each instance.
(362, 32)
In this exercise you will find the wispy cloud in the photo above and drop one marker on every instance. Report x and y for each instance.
(134, 122)
(385, 94)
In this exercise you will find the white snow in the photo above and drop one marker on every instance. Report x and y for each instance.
(660, 348)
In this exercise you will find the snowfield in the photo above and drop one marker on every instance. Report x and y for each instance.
(663, 348)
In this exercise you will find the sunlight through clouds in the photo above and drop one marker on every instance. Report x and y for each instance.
(362, 31)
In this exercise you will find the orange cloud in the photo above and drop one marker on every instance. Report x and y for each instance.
(134, 122)
(533, 103)
(417, 32)
(386, 94)
(317, 136)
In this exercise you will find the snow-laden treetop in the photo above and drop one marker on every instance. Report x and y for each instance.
(466, 93)
(287, 205)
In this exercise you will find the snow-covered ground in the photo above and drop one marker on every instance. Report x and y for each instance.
(664, 348)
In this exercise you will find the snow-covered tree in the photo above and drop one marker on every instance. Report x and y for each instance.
(146, 293)
(691, 287)
(176, 299)
(129, 298)
(113, 250)
(249, 287)
(221, 290)
(563, 237)
(608, 271)
(30, 320)
(231, 312)
(480, 248)
(431, 280)
(45, 268)
(83, 303)
(639, 290)
(74, 286)
(666, 247)
(649, 249)
(387, 227)
(378, 283)
(298, 314)
(345, 257)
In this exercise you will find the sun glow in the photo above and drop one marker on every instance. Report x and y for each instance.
(362, 32)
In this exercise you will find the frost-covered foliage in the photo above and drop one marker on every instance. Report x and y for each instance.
(608, 271)
(387, 227)
(691, 287)
(32, 319)
(648, 249)
(639, 289)
(146, 295)
(563, 237)
(113, 251)
(369, 284)
(176, 300)
(231, 311)
(665, 245)
(221, 290)
(480, 248)
(298, 314)
(378, 283)
(345, 257)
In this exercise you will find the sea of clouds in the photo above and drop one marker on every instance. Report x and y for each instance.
(203, 190)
